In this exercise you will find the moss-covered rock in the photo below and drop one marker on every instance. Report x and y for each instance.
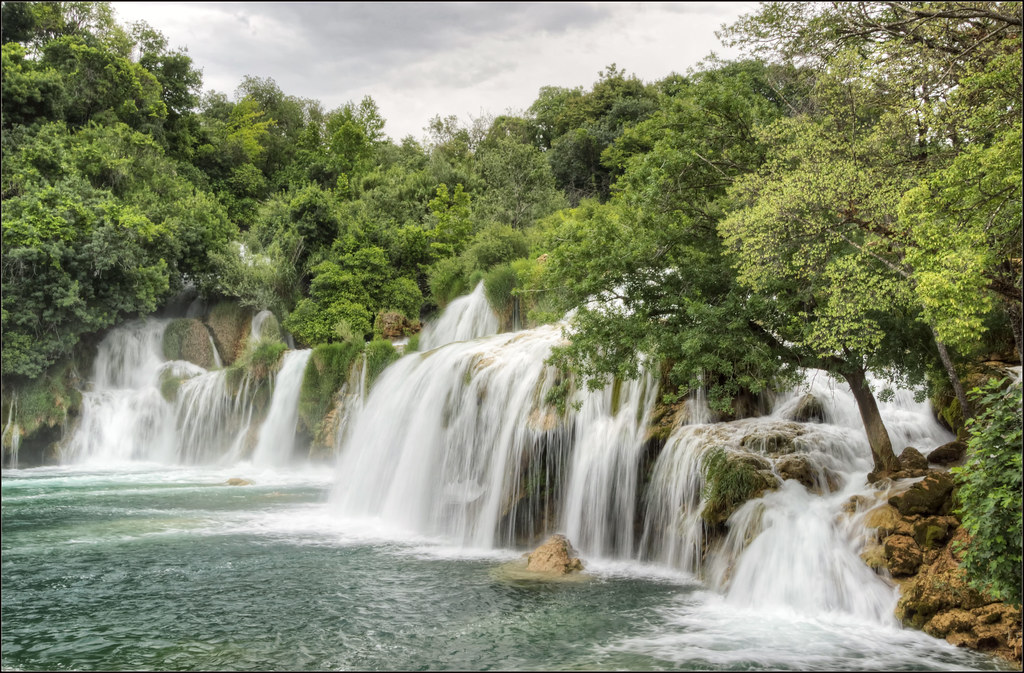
(188, 339)
(932, 495)
(951, 453)
(912, 459)
(229, 324)
(729, 481)
(773, 439)
(326, 372)
(379, 354)
(36, 412)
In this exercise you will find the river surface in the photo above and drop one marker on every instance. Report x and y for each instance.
(145, 567)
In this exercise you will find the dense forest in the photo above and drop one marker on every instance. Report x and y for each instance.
(846, 197)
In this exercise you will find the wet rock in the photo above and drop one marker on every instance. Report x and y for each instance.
(543, 419)
(808, 410)
(797, 468)
(874, 556)
(238, 481)
(912, 459)
(948, 454)
(229, 325)
(902, 555)
(187, 339)
(773, 439)
(929, 496)
(932, 531)
(886, 520)
(554, 556)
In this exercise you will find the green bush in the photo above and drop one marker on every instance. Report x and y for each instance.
(379, 354)
(499, 286)
(413, 344)
(497, 244)
(989, 496)
(326, 372)
(447, 280)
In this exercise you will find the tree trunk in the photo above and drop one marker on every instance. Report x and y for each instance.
(954, 379)
(878, 436)
(1013, 309)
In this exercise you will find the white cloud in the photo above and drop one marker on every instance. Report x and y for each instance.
(421, 59)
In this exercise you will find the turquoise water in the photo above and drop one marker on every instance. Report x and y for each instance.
(148, 568)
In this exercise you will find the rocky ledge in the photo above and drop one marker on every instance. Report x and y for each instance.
(917, 541)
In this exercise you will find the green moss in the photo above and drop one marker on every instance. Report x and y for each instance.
(728, 483)
(414, 343)
(264, 359)
(41, 408)
(327, 371)
(169, 386)
(379, 354)
(188, 339)
(229, 325)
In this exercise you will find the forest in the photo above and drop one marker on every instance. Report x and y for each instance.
(846, 196)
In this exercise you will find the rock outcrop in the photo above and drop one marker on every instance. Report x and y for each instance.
(917, 541)
(554, 556)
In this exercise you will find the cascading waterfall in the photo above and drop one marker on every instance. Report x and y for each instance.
(277, 434)
(125, 417)
(460, 441)
(792, 548)
(479, 457)
(467, 317)
(12, 434)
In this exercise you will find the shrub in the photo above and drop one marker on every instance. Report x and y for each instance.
(379, 354)
(990, 491)
(447, 280)
(326, 372)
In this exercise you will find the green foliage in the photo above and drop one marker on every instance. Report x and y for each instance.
(326, 372)
(351, 287)
(447, 279)
(264, 359)
(499, 286)
(494, 245)
(413, 344)
(989, 493)
(379, 354)
(728, 483)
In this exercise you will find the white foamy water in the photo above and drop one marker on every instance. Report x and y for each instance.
(466, 318)
(277, 434)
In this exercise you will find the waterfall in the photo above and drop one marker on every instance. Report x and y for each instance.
(792, 548)
(126, 416)
(277, 435)
(13, 432)
(459, 442)
(467, 317)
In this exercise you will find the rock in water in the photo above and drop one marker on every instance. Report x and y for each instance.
(237, 481)
(554, 556)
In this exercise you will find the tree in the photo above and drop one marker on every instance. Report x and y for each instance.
(520, 187)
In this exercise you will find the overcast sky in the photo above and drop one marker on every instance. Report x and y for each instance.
(421, 59)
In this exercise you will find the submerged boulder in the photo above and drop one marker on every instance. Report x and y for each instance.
(554, 556)
(237, 481)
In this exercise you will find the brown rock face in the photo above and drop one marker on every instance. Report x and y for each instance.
(929, 496)
(902, 554)
(948, 454)
(912, 459)
(808, 410)
(554, 556)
